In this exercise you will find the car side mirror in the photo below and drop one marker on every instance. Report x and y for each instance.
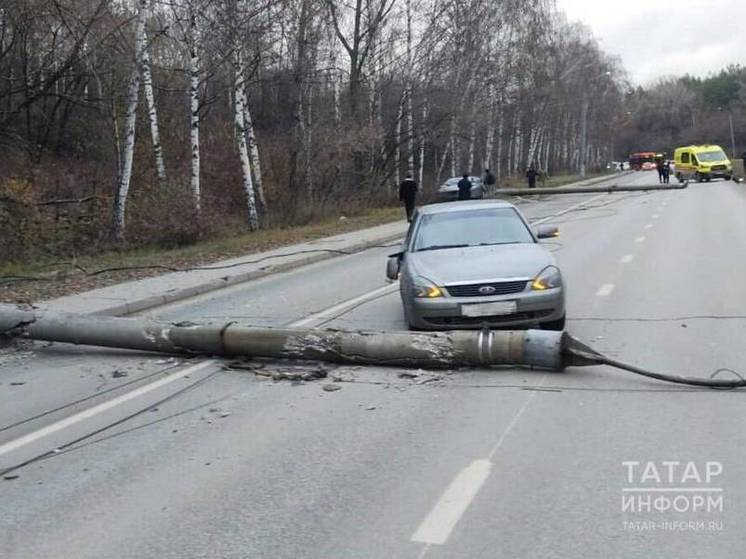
(547, 231)
(392, 266)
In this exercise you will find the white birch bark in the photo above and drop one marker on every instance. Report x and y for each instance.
(255, 161)
(243, 151)
(509, 162)
(499, 162)
(397, 152)
(147, 83)
(490, 139)
(194, 120)
(442, 164)
(533, 143)
(454, 147)
(472, 147)
(133, 89)
(423, 139)
(410, 131)
(409, 89)
(518, 145)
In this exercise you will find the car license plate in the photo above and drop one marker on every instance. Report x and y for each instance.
(489, 309)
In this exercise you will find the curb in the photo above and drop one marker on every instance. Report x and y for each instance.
(175, 295)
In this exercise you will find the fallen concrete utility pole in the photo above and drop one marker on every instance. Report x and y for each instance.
(536, 348)
(587, 189)
(436, 350)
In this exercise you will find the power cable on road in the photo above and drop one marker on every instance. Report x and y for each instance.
(4, 280)
(5, 471)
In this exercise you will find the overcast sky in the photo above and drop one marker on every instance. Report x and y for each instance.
(666, 37)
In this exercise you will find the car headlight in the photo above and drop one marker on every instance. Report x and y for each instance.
(548, 278)
(425, 289)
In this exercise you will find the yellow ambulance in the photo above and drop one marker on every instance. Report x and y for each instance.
(702, 163)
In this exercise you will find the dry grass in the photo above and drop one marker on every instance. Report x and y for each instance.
(49, 279)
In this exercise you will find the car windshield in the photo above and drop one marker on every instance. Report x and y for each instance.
(717, 155)
(489, 226)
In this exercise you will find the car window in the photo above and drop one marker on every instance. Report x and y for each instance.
(487, 226)
(685, 157)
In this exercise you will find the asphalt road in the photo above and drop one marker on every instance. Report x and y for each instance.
(466, 464)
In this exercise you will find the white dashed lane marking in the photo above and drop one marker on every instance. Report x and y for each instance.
(605, 290)
(627, 258)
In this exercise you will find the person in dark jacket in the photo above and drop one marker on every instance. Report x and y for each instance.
(464, 188)
(531, 175)
(407, 194)
(659, 166)
(666, 172)
(488, 180)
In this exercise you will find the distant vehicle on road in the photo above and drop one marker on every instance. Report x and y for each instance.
(642, 161)
(449, 190)
(474, 263)
(702, 163)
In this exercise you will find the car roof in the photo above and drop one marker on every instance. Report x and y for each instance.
(464, 205)
(703, 147)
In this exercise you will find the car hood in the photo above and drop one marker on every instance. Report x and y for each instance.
(481, 263)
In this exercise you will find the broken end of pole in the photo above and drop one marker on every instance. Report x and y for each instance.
(577, 354)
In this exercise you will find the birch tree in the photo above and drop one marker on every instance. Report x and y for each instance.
(133, 89)
(147, 82)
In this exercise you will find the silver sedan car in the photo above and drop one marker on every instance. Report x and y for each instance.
(448, 191)
(477, 263)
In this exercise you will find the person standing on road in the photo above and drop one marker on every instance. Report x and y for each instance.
(531, 175)
(659, 166)
(489, 181)
(407, 194)
(666, 172)
(464, 188)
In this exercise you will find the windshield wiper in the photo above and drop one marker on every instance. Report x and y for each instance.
(438, 247)
(494, 244)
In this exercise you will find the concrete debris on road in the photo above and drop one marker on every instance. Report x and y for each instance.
(331, 387)
(295, 372)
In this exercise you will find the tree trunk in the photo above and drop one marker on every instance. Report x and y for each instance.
(147, 82)
(243, 151)
(397, 151)
(133, 89)
(194, 120)
(499, 162)
(423, 139)
(256, 165)
(472, 147)
(490, 139)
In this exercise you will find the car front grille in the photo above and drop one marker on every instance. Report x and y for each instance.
(466, 321)
(718, 167)
(500, 288)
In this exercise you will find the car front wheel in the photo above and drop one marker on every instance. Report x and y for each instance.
(556, 325)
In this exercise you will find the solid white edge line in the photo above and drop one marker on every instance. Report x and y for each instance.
(332, 311)
(566, 210)
(100, 408)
